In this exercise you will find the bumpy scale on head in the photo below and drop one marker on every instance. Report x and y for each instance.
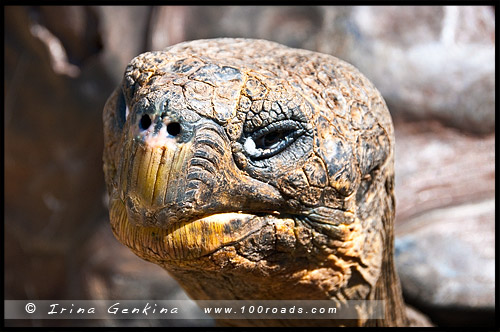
(245, 160)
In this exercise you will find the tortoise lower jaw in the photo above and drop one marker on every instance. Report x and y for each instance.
(186, 240)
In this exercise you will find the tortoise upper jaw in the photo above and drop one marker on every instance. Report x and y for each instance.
(141, 214)
(173, 213)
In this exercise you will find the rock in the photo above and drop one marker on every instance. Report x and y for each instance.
(429, 62)
(446, 263)
(445, 214)
(445, 223)
(436, 166)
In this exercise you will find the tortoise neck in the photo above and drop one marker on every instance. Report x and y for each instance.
(388, 287)
(389, 290)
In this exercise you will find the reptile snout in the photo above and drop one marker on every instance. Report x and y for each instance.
(173, 128)
(154, 123)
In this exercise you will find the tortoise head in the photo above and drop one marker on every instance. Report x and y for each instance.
(247, 168)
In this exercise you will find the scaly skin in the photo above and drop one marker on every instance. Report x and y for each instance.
(250, 170)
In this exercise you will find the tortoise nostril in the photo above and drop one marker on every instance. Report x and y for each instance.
(145, 122)
(174, 128)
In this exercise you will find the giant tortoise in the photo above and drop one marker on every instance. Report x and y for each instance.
(251, 170)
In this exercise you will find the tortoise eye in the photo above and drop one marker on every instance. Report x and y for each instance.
(271, 140)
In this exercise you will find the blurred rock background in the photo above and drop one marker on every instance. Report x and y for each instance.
(434, 65)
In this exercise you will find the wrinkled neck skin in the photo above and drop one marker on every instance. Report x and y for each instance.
(314, 270)
(228, 283)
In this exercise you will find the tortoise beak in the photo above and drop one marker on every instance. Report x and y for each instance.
(153, 177)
